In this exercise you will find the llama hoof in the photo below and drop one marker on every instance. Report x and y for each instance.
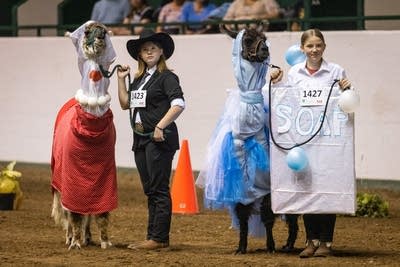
(240, 251)
(74, 245)
(270, 246)
(287, 248)
(87, 242)
(105, 244)
(68, 241)
(270, 250)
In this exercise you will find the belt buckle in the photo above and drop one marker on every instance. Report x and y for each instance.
(139, 127)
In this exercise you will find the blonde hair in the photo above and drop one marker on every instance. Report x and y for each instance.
(142, 66)
(94, 42)
(309, 33)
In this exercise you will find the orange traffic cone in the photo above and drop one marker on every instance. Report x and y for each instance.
(183, 192)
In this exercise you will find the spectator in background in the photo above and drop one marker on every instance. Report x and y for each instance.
(196, 11)
(140, 12)
(170, 12)
(216, 16)
(298, 12)
(110, 11)
(252, 9)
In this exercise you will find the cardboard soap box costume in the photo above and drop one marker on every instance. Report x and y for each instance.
(327, 185)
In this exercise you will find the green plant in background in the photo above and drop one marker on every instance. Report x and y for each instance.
(371, 205)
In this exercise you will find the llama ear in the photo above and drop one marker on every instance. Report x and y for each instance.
(230, 33)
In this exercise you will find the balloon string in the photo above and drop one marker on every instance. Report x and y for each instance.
(270, 116)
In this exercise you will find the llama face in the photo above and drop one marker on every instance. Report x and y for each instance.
(94, 42)
(94, 48)
(254, 47)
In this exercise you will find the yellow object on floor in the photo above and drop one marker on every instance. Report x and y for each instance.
(9, 183)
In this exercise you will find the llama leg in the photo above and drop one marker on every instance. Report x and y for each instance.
(60, 217)
(268, 218)
(293, 227)
(86, 233)
(67, 228)
(243, 213)
(57, 210)
(102, 221)
(75, 219)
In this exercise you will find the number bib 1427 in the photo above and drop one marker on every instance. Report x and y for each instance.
(138, 99)
(314, 96)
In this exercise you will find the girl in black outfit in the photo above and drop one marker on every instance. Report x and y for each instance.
(157, 100)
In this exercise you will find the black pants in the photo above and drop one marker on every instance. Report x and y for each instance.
(154, 166)
(320, 226)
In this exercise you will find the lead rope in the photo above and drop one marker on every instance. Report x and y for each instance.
(270, 116)
(108, 74)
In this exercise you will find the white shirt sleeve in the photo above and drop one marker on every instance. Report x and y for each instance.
(178, 102)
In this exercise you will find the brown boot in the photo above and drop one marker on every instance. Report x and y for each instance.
(323, 250)
(309, 250)
(152, 245)
(136, 244)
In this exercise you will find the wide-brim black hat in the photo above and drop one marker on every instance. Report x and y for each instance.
(148, 35)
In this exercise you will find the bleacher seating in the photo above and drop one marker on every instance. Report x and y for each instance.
(74, 12)
(337, 8)
(8, 15)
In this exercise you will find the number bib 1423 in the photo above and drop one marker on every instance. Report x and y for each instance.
(314, 96)
(138, 99)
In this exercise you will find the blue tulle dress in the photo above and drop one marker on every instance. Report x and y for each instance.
(237, 161)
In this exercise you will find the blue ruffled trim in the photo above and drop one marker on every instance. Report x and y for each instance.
(235, 187)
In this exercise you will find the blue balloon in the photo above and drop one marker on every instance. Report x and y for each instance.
(294, 55)
(297, 159)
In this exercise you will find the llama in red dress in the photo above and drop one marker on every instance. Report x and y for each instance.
(83, 153)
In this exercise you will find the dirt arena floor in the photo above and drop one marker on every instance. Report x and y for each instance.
(28, 237)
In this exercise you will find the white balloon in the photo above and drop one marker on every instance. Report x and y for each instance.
(92, 101)
(349, 100)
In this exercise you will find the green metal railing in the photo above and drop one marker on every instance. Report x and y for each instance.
(360, 20)
(11, 8)
(358, 12)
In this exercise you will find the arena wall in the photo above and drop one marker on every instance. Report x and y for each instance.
(39, 74)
